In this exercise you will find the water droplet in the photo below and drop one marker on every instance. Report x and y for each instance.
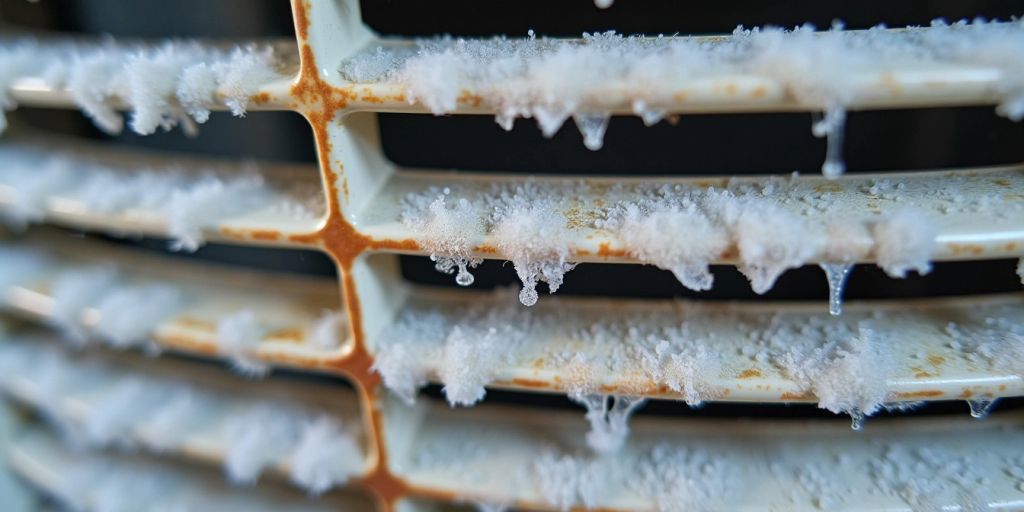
(528, 295)
(592, 126)
(980, 407)
(836, 273)
(464, 277)
(603, 4)
(856, 419)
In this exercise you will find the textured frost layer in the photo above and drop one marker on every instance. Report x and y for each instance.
(691, 351)
(176, 83)
(188, 201)
(552, 80)
(129, 407)
(766, 226)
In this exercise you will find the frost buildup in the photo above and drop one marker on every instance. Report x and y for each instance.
(176, 83)
(553, 80)
(238, 337)
(208, 201)
(129, 314)
(324, 456)
(76, 289)
(258, 437)
(448, 229)
(848, 373)
(328, 330)
(609, 419)
(122, 408)
(904, 241)
(531, 232)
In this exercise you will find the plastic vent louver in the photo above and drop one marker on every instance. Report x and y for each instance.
(391, 337)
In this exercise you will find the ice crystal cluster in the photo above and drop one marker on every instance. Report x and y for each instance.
(552, 80)
(175, 83)
(689, 349)
(768, 225)
(131, 407)
(188, 201)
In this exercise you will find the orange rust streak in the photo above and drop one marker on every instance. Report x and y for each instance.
(320, 103)
(920, 394)
(750, 373)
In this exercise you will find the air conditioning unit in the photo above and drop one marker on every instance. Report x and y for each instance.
(136, 379)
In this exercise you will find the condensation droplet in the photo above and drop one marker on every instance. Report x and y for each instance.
(856, 419)
(981, 407)
(593, 127)
(836, 274)
(464, 277)
(528, 296)
(603, 4)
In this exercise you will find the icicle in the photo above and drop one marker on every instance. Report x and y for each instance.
(464, 278)
(856, 419)
(1020, 270)
(981, 407)
(592, 126)
(836, 273)
(831, 126)
(650, 116)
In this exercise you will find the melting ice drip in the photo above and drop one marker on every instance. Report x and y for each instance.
(981, 407)
(609, 419)
(836, 273)
(593, 128)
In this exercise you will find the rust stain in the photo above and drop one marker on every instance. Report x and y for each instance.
(788, 396)
(967, 394)
(929, 393)
(190, 322)
(730, 89)
(605, 250)
(921, 374)
(531, 383)
(293, 334)
(679, 97)
(369, 97)
(965, 249)
(1001, 182)
(828, 186)
(262, 98)
(251, 234)
(750, 373)
(468, 98)
(936, 360)
(758, 92)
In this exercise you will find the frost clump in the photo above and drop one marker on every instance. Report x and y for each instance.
(327, 330)
(324, 456)
(76, 289)
(188, 201)
(448, 230)
(238, 337)
(465, 355)
(682, 240)
(552, 80)
(129, 314)
(904, 242)
(176, 83)
(260, 436)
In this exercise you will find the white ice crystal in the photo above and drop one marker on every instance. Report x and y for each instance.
(73, 291)
(326, 456)
(163, 86)
(128, 314)
(683, 241)
(238, 337)
(904, 242)
(552, 80)
(208, 201)
(328, 330)
(448, 231)
(259, 437)
(123, 408)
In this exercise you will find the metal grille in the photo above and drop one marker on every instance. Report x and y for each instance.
(425, 454)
